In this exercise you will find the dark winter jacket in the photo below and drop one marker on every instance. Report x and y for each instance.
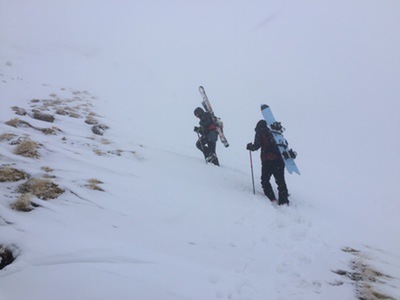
(208, 128)
(264, 140)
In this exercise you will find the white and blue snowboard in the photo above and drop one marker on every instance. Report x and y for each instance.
(276, 128)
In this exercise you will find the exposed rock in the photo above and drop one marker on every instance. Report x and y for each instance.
(19, 111)
(6, 257)
(99, 129)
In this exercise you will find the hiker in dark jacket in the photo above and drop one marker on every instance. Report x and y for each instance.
(271, 162)
(207, 134)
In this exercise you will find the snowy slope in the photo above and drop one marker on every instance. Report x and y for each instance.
(167, 226)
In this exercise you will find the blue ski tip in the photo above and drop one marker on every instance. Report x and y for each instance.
(264, 106)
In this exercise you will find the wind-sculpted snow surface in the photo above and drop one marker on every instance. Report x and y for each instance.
(162, 225)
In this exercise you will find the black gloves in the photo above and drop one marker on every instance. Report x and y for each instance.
(249, 146)
(197, 129)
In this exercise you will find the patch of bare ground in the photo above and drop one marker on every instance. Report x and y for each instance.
(365, 278)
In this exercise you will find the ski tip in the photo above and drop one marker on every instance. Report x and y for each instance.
(201, 87)
(264, 106)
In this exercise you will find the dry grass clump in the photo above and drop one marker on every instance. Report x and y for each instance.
(23, 203)
(51, 131)
(75, 115)
(91, 121)
(106, 142)
(42, 188)
(27, 148)
(13, 122)
(16, 122)
(7, 136)
(47, 169)
(11, 174)
(99, 152)
(93, 184)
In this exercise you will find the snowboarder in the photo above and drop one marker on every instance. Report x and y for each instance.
(207, 134)
(271, 163)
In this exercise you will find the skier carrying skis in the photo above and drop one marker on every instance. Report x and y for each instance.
(207, 134)
(271, 163)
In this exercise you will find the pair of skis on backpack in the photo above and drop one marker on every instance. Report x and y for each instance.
(288, 155)
(217, 121)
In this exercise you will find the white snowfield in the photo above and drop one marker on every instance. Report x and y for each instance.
(142, 216)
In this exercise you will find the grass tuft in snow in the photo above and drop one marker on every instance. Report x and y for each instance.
(51, 131)
(23, 203)
(91, 121)
(47, 169)
(11, 174)
(15, 122)
(27, 148)
(42, 188)
(93, 184)
(7, 136)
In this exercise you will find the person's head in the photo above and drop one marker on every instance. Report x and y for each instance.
(198, 112)
(261, 125)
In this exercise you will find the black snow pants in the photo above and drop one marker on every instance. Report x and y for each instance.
(277, 169)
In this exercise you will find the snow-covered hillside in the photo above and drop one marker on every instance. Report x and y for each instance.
(141, 216)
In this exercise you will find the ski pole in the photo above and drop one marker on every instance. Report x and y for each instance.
(201, 145)
(252, 174)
